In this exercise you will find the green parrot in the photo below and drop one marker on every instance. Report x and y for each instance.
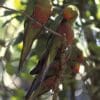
(41, 13)
(45, 71)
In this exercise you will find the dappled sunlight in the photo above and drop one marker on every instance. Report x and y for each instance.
(50, 49)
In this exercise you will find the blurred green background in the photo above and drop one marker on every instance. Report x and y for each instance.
(87, 34)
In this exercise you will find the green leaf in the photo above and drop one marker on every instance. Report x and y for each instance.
(8, 12)
(94, 49)
(18, 39)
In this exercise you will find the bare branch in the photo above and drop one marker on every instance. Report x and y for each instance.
(33, 20)
(63, 65)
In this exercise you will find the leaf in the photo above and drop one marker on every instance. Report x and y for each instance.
(19, 18)
(2, 43)
(95, 50)
(2, 2)
(18, 39)
(8, 21)
(10, 69)
(8, 12)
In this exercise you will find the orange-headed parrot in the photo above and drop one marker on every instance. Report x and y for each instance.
(51, 58)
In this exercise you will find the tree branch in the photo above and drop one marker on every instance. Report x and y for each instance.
(33, 20)
(63, 65)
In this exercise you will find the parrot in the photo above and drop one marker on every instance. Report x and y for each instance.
(48, 82)
(76, 55)
(57, 42)
(55, 66)
(70, 13)
(65, 29)
(76, 59)
(41, 13)
(76, 68)
(49, 64)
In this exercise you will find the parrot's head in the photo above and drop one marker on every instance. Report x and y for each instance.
(70, 13)
(46, 3)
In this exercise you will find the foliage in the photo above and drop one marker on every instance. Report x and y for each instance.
(87, 42)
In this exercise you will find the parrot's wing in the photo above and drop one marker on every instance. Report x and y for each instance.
(40, 15)
(40, 88)
(40, 64)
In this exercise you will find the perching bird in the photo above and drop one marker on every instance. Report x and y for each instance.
(47, 69)
(41, 13)
(49, 80)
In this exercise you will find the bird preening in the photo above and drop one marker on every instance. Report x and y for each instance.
(51, 64)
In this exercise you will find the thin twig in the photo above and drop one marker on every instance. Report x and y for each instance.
(33, 20)
(63, 67)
